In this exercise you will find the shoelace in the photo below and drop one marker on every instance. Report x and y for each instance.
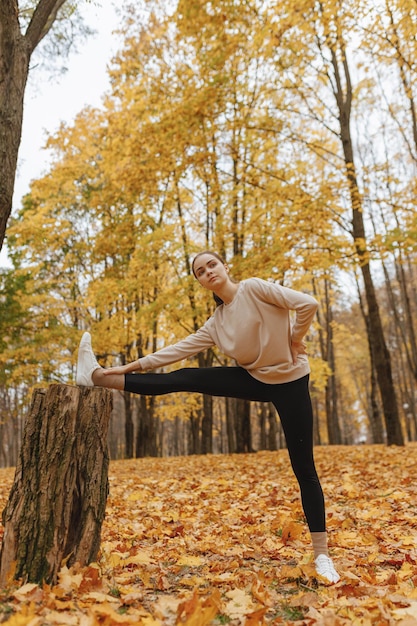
(325, 567)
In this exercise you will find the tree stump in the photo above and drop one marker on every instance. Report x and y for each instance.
(57, 502)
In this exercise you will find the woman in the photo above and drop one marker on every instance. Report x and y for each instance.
(251, 325)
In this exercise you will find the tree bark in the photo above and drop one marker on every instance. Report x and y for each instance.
(332, 413)
(14, 64)
(129, 426)
(374, 415)
(261, 411)
(194, 432)
(15, 53)
(379, 348)
(57, 502)
(334, 433)
(146, 432)
(230, 425)
(243, 425)
(273, 427)
(206, 360)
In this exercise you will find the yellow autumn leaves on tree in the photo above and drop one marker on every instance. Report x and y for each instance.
(282, 135)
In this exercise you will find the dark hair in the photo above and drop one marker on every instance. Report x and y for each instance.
(217, 300)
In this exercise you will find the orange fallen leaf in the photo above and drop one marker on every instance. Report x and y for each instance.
(260, 592)
(256, 618)
(197, 611)
(291, 531)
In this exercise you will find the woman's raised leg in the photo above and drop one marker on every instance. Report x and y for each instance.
(231, 382)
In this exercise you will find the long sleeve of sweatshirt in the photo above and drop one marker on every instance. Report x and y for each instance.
(184, 349)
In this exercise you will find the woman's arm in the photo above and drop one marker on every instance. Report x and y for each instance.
(186, 348)
(305, 306)
(302, 304)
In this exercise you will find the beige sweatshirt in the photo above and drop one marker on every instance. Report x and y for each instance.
(254, 329)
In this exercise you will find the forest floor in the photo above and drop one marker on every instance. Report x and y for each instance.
(210, 540)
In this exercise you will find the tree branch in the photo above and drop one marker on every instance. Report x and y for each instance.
(42, 20)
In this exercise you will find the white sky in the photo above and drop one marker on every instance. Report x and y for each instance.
(48, 103)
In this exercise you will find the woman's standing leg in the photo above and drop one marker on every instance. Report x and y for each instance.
(293, 403)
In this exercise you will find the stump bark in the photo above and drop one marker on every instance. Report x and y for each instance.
(57, 503)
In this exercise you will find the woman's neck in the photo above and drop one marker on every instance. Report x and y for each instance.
(228, 292)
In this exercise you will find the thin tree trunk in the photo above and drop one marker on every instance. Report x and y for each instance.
(129, 429)
(206, 360)
(193, 432)
(242, 425)
(273, 427)
(262, 417)
(380, 351)
(411, 409)
(408, 314)
(207, 425)
(327, 350)
(396, 40)
(230, 426)
(333, 426)
(57, 503)
(146, 432)
(374, 414)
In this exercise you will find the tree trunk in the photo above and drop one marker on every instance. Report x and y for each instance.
(410, 408)
(327, 350)
(15, 53)
(332, 413)
(207, 425)
(57, 502)
(273, 427)
(380, 351)
(408, 315)
(261, 411)
(14, 64)
(193, 438)
(206, 360)
(243, 425)
(375, 418)
(146, 444)
(129, 427)
(230, 426)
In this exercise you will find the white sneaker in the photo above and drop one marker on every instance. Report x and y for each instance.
(86, 363)
(325, 568)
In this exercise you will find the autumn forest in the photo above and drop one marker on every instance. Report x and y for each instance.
(282, 135)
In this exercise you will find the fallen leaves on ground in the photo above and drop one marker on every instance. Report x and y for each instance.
(210, 540)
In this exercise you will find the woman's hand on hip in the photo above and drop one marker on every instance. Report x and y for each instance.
(297, 347)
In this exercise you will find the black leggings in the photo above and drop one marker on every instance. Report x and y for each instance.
(291, 400)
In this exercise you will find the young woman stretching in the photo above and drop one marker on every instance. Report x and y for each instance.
(251, 325)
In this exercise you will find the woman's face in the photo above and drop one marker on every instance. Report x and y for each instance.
(210, 272)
